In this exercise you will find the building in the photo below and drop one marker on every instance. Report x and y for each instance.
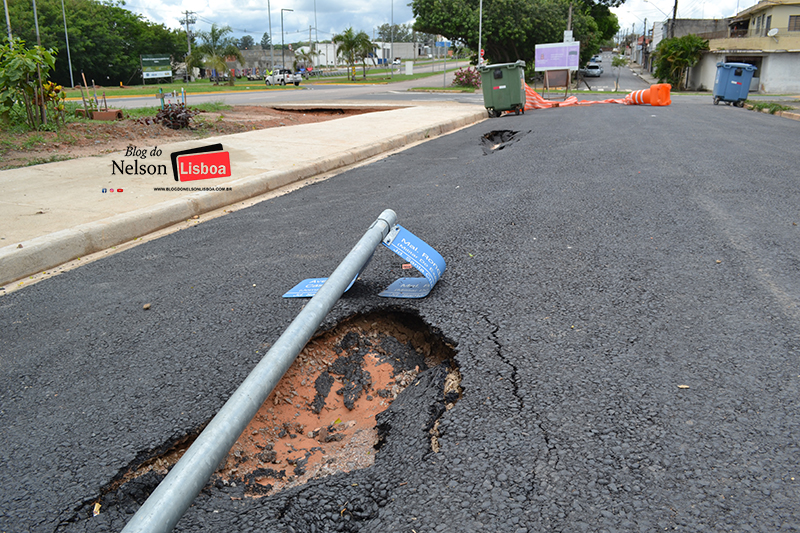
(767, 36)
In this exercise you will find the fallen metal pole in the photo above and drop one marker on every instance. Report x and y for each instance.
(177, 491)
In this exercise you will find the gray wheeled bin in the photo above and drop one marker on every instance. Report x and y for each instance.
(503, 87)
(732, 83)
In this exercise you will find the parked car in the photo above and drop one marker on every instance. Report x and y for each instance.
(396, 61)
(592, 70)
(597, 59)
(282, 77)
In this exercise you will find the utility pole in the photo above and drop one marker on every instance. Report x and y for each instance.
(674, 14)
(569, 18)
(189, 19)
(644, 42)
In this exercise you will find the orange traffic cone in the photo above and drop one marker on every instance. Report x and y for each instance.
(655, 95)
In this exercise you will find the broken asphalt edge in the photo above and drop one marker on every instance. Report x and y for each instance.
(49, 251)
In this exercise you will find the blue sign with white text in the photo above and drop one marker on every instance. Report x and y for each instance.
(409, 247)
(421, 256)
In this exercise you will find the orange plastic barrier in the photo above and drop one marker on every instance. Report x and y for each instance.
(656, 95)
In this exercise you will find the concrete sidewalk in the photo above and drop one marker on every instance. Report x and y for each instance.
(56, 212)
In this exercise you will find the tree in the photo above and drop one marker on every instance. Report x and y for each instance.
(674, 56)
(350, 45)
(618, 62)
(214, 50)
(402, 33)
(305, 58)
(105, 40)
(365, 50)
(512, 28)
(21, 86)
(246, 43)
(265, 41)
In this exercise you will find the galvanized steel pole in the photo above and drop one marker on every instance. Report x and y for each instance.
(177, 491)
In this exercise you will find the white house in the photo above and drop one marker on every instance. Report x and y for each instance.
(767, 36)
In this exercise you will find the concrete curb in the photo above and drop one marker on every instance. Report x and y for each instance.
(49, 251)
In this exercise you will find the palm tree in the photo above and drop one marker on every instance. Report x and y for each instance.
(351, 45)
(215, 48)
(365, 49)
(305, 58)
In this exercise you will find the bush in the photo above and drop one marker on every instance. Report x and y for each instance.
(468, 77)
(175, 116)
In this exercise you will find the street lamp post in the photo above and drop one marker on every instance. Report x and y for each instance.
(391, 48)
(66, 36)
(283, 50)
(8, 24)
(271, 47)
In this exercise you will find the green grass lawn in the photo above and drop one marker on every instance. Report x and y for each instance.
(194, 87)
(374, 76)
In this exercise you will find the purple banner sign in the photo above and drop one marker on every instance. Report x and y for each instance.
(558, 56)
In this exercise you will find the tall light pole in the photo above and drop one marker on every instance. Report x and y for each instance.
(38, 67)
(271, 47)
(66, 36)
(8, 24)
(316, 34)
(283, 51)
(480, 33)
(391, 48)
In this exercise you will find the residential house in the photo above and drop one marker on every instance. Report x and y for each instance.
(767, 36)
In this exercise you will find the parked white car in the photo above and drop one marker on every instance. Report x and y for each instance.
(282, 77)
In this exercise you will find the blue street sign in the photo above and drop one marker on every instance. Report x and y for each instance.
(421, 256)
(309, 287)
(409, 247)
(444, 44)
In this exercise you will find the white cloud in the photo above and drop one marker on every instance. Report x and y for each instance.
(251, 17)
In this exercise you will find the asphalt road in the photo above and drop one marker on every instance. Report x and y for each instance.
(622, 291)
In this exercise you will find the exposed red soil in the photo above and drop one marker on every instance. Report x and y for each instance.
(87, 138)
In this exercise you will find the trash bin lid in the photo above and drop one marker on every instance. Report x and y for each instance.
(519, 63)
(745, 66)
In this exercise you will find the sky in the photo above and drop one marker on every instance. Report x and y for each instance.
(251, 17)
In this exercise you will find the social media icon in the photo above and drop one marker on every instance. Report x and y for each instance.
(105, 190)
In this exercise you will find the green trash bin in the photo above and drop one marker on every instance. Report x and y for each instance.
(503, 87)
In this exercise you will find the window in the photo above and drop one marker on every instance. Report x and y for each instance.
(794, 22)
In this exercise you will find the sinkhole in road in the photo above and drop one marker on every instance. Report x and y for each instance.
(320, 419)
(499, 139)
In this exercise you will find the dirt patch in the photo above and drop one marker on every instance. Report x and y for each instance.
(320, 419)
(88, 138)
